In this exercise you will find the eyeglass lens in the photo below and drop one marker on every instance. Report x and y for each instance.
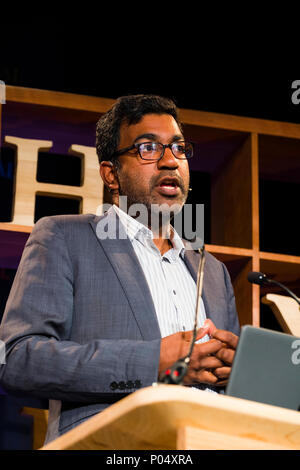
(154, 150)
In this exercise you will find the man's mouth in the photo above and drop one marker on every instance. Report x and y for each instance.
(168, 186)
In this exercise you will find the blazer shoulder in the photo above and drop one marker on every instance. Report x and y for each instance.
(65, 222)
(212, 259)
(67, 227)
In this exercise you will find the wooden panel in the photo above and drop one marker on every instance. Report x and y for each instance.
(189, 438)
(228, 250)
(150, 419)
(40, 423)
(255, 191)
(238, 123)
(255, 226)
(231, 200)
(58, 99)
(15, 227)
(188, 116)
(277, 257)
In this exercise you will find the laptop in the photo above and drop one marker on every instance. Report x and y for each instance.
(266, 368)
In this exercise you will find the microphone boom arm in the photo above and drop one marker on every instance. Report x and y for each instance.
(176, 373)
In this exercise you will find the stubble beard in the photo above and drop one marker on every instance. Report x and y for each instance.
(163, 207)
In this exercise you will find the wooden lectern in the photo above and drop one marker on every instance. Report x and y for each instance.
(174, 417)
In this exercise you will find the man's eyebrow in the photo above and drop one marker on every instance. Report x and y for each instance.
(146, 136)
(150, 136)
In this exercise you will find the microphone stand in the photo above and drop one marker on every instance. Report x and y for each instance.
(261, 279)
(176, 373)
(286, 289)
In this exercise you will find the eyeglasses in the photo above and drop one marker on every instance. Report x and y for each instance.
(155, 150)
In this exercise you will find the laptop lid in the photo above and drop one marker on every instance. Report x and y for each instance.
(266, 368)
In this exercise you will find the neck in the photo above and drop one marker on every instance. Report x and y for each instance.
(160, 228)
(163, 244)
(162, 237)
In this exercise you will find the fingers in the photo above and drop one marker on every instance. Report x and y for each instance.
(203, 376)
(230, 341)
(208, 362)
(210, 325)
(209, 347)
(201, 332)
(222, 372)
(226, 355)
(221, 383)
(226, 337)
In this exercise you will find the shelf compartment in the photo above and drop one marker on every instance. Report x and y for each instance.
(226, 156)
(281, 268)
(239, 263)
(279, 192)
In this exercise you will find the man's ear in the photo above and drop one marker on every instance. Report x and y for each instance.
(109, 175)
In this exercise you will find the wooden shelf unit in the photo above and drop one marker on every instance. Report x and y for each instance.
(237, 153)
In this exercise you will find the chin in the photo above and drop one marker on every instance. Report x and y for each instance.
(166, 206)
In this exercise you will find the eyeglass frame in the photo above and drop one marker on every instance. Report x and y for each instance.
(137, 147)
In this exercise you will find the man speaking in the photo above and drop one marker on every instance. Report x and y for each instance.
(91, 318)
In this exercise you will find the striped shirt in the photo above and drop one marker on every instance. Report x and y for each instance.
(171, 285)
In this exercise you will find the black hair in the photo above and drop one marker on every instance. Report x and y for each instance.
(130, 110)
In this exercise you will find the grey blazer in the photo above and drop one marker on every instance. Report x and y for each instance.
(80, 326)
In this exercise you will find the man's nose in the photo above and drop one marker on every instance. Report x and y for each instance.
(168, 160)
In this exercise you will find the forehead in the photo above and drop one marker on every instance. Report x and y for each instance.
(163, 126)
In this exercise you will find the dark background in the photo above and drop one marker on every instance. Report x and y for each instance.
(79, 58)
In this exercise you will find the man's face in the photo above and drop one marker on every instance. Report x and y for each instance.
(152, 182)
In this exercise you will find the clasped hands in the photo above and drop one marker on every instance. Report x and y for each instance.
(210, 361)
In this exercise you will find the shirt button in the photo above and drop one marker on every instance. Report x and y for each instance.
(174, 292)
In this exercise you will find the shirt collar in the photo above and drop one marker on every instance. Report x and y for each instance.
(136, 230)
(132, 226)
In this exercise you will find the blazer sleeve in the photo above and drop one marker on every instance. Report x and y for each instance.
(41, 360)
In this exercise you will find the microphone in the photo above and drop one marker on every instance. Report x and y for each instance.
(262, 280)
(175, 374)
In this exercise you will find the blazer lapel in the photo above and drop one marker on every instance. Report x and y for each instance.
(125, 263)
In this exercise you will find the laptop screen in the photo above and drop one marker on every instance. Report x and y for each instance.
(266, 368)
